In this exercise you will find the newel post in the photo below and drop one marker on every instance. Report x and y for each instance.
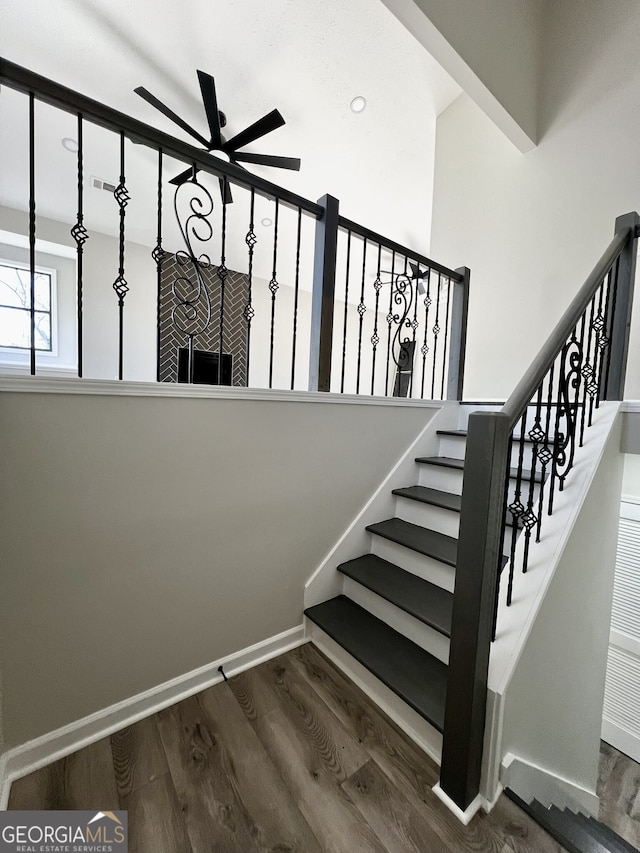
(621, 321)
(323, 296)
(477, 567)
(457, 350)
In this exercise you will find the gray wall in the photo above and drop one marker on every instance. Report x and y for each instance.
(144, 537)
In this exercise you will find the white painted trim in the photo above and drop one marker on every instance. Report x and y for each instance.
(630, 406)
(463, 816)
(621, 739)
(109, 387)
(531, 782)
(21, 241)
(630, 508)
(625, 642)
(57, 744)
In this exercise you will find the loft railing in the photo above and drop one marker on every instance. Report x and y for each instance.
(582, 363)
(230, 299)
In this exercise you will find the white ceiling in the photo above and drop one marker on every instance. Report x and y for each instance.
(307, 58)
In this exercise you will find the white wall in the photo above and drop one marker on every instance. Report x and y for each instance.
(532, 226)
(144, 537)
(492, 49)
(561, 734)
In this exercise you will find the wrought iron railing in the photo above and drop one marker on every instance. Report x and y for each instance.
(232, 296)
(582, 363)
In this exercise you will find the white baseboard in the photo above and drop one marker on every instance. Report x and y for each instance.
(54, 745)
(530, 782)
(463, 816)
(621, 739)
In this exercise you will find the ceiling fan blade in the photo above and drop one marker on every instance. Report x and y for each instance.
(292, 163)
(183, 176)
(271, 121)
(151, 99)
(225, 191)
(208, 90)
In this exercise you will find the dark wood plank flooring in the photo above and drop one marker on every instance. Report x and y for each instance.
(619, 793)
(289, 756)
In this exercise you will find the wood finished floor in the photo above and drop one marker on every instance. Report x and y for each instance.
(619, 793)
(289, 756)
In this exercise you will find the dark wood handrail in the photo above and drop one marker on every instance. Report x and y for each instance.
(23, 80)
(528, 385)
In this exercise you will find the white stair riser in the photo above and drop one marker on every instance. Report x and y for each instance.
(426, 568)
(445, 521)
(455, 448)
(440, 477)
(413, 629)
(416, 727)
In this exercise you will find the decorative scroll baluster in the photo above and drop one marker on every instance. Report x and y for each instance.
(390, 321)
(249, 311)
(361, 312)
(295, 300)
(588, 375)
(222, 274)
(446, 338)
(375, 340)
(403, 297)
(80, 235)
(191, 312)
(158, 256)
(274, 287)
(346, 315)
(120, 285)
(436, 333)
(602, 341)
(32, 232)
(425, 346)
(415, 325)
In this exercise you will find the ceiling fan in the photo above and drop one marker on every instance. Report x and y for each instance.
(225, 149)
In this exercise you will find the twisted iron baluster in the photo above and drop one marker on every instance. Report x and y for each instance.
(295, 299)
(158, 256)
(375, 340)
(516, 507)
(361, 312)
(446, 337)
(390, 320)
(611, 306)
(249, 312)
(346, 307)
(425, 347)
(436, 332)
(222, 273)
(120, 285)
(274, 287)
(80, 235)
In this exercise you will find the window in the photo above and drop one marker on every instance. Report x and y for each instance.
(15, 307)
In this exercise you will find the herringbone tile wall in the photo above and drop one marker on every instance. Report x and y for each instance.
(234, 327)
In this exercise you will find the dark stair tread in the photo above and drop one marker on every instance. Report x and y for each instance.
(417, 677)
(421, 539)
(446, 500)
(463, 433)
(458, 464)
(564, 826)
(427, 602)
(608, 836)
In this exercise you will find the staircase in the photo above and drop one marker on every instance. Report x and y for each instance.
(575, 832)
(394, 616)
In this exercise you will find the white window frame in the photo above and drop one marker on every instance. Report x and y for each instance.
(52, 273)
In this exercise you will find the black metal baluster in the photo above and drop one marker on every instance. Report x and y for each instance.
(414, 328)
(375, 340)
(529, 518)
(446, 337)
(599, 324)
(390, 322)
(425, 346)
(158, 257)
(558, 440)
(546, 454)
(346, 307)
(274, 287)
(587, 373)
(503, 532)
(80, 235)
(611, 308)
(436, 332)
(222, 274)
(540, 452)
(295, 299)
(362, 308)
(516, 507)
(32, 230)
(120, 285)
(249, 311)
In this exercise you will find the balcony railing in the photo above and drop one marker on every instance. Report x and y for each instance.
(271, 291)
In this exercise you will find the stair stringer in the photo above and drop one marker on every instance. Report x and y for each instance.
(326, 582)
(517, 626)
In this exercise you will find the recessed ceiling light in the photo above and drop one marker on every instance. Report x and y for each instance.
(70, 144)
(358, 104)
(267, 222)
